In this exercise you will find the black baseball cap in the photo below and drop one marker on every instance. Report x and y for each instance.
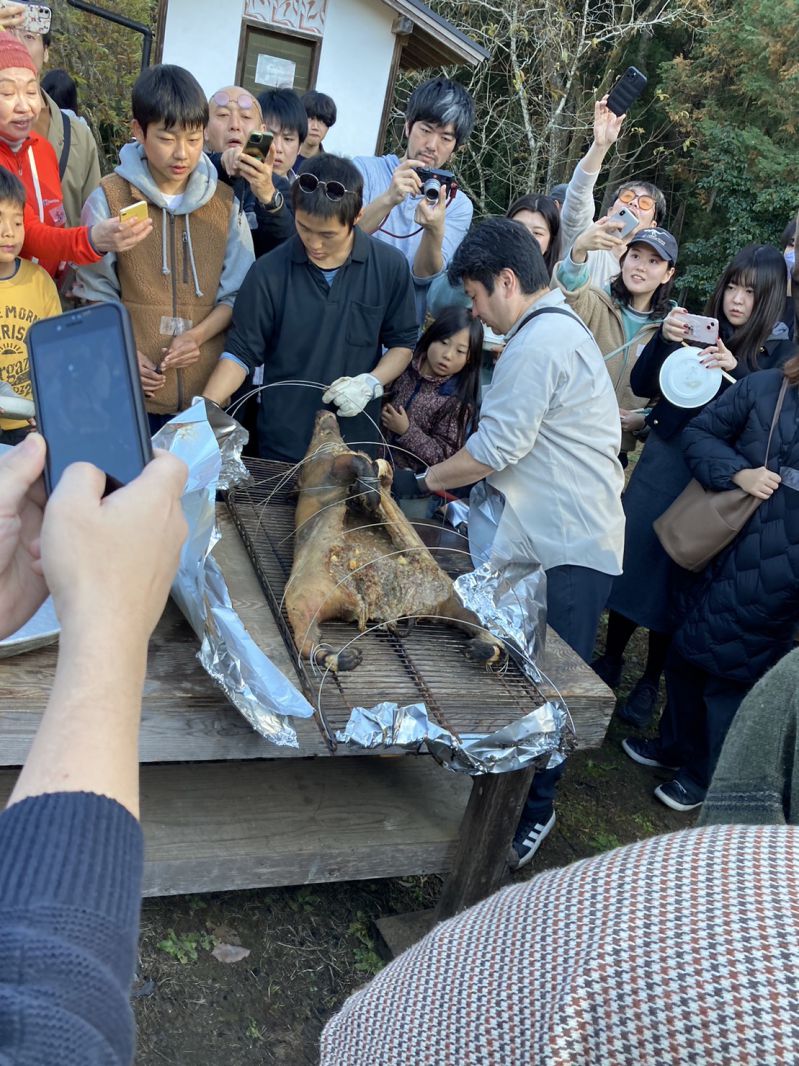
(659, 240)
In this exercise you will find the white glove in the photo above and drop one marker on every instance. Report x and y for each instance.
(351, 395)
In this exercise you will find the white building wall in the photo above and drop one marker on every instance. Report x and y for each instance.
(354, 66)
(354, 63)
(203, 36)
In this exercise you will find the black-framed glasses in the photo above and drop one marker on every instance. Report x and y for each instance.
(333, 190)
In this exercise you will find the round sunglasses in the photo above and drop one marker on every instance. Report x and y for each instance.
(333, 190)
(646, 203)
(246, 103)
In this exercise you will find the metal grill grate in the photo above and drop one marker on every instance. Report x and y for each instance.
(423, 662)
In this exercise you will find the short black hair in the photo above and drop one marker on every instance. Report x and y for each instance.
(11, 188)
(321, 106)
(169, 94)
(285, 107)
(61, 86)
(499, 244)
(327, 167)
(548, 209)
(441, 101)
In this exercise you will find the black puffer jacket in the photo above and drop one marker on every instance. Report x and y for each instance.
(740, 614)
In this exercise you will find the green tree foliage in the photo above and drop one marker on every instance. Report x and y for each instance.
(104, 60)
(733, 101)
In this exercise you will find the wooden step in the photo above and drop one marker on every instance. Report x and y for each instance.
(211, 827)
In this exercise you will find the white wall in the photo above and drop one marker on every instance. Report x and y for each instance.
(354, 64)
(203, 36)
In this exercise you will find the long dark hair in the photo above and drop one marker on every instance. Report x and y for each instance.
(660, 302)
(448, 322)
(760, 267)
(547, 207)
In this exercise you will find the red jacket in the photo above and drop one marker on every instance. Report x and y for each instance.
(46, 239)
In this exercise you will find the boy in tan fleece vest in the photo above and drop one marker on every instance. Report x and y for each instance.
(179, 285)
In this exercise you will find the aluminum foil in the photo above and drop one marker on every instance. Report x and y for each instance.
(509, 598)
(515, 746)
(211, 448)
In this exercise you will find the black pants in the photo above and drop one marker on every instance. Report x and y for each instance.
(699, 710)
(576, 596)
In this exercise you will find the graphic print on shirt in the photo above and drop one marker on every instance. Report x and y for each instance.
(14, 368)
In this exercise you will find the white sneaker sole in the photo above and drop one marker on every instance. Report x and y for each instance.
(673, 803)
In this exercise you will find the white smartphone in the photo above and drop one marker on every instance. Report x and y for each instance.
(628, 219)
(702, 330)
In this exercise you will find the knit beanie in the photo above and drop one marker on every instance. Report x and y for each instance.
(13, 53)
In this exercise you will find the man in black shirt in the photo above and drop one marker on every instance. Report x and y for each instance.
(331, 306)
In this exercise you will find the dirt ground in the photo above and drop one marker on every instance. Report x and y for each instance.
(311, 946)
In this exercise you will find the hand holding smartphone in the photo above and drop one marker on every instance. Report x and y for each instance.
(134, 211)
(626, 91)
(87, 393)
(628, 220)
(258, 144)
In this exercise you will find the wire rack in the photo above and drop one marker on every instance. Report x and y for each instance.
(422, 661)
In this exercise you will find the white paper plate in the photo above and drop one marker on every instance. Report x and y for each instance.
(685, 382)
(39, 631)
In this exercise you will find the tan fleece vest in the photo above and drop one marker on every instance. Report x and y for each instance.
(157, 300)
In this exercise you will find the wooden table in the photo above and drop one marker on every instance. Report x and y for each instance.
(222, 808)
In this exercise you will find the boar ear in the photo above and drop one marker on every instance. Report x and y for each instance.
(346, 468)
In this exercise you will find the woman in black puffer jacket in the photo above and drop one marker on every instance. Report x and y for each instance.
(740, 614)
(747, 302)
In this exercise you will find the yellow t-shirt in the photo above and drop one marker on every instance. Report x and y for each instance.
(24, 299)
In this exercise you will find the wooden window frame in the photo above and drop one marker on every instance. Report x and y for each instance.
(280, 31)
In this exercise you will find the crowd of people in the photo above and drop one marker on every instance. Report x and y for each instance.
(290, 278)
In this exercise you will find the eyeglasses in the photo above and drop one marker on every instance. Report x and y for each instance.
(246, 103)
(646, 203)
(333, 190)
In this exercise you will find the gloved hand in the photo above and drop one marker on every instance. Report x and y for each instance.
(407, 485)
(351, 395)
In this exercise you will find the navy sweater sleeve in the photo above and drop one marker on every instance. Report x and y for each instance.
(709, 439)
(70, 893)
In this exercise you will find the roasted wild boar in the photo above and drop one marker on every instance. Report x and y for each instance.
(357, 558)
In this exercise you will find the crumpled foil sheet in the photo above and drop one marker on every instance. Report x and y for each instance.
(509, 598)
(210, 443)
(515, 746)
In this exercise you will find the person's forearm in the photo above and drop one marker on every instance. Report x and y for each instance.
(217, 321)
(392, 365)
(223, 382)
(460, 469)
(88, 738)
(428, 260)
(375, 212)
(594, 158)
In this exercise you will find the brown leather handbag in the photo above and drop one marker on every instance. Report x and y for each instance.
(701, 522)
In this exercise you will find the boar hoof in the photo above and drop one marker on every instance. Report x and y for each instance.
(480, 650)
(339, 662)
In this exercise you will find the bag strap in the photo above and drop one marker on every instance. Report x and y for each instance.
(553, 311)
(64, 157)
(776, 418)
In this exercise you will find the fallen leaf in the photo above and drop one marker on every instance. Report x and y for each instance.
(230, 952)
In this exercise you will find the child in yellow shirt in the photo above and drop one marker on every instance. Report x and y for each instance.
(27, 293)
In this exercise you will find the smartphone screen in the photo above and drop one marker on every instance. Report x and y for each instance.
(89, 403)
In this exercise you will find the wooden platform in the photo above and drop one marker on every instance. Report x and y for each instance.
(226, 809)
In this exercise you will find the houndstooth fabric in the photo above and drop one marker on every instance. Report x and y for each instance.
(679, 949)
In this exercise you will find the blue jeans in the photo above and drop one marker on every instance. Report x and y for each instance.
(576, 597)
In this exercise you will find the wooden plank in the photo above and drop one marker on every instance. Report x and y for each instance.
(486, 834)
(211, 827)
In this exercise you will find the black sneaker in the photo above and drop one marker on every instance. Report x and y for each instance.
(679, 797)
(639, 706)
(609, 669)
(646, 752)
(528, 840)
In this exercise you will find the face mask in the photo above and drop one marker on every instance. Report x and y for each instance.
(790, 258)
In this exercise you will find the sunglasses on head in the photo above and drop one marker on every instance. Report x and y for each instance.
(246, 103)
(646, 203)
(333, 190)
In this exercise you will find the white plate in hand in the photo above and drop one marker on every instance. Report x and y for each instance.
(685, 382)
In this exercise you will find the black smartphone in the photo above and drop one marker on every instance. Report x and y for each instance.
(258, 144)
(87, 393)
(626, 91)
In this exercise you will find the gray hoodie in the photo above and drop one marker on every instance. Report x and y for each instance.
(100, 281)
